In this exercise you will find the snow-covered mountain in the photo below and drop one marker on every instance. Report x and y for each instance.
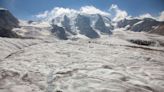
(141, 25)
(79, 24)
(73, 25)
(89, 25)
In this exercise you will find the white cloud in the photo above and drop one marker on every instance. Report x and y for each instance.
(146, 15)
(42, 15)
(59, 11)
(93, 10)
(113, 6)
(161, 17)
(119, 14)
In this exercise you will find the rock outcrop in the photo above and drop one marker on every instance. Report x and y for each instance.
(100, 25)
(7, 23)
(83, 24)
(59, 32)
(66, 25)
(159, 30)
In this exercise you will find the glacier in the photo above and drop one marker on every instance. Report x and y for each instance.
(79, 52)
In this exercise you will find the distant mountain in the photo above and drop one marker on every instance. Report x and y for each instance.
(139, 25)
(7, 23)
(73, 25)
(89, 25)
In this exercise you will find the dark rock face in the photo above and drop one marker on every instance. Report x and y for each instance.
(83, 24)
(7, 23)
(7, 33)
(100, 25)
(142, 42)
(146, 25)
(159, 30)
(66, 25)
(59, 32)
(125, 22)
(30, 21)
(109, 21)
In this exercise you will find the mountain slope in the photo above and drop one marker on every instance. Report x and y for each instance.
(89, 25)
(100, 25)
(7, 23)
(83, 24)
(141, 25)
(158, 30)
(59, 32)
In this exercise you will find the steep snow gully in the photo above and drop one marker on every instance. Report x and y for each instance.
(110, 64)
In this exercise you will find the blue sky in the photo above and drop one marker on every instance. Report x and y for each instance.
(26, 9)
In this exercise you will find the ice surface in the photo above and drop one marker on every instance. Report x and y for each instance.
(109, 64)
